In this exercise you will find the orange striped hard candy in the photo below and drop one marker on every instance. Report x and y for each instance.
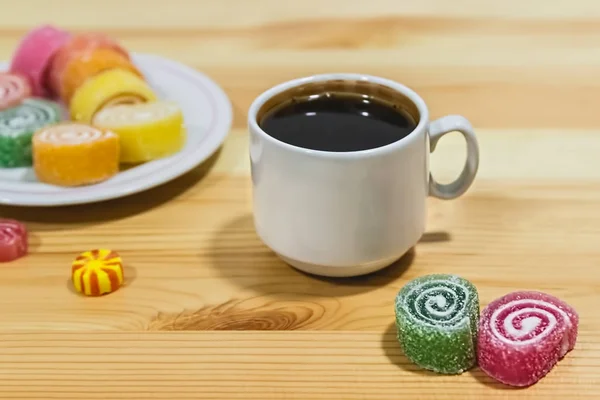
(97, 272)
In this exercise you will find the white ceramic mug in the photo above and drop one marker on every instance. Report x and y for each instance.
(349, 213)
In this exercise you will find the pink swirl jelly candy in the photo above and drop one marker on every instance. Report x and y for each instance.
(34, 53)
(522, 335)
(14, 88)
(13, 240)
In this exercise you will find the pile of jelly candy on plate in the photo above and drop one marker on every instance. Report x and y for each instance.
(75, 107)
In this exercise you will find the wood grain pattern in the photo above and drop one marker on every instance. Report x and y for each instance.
(207, 311)
(250, 365)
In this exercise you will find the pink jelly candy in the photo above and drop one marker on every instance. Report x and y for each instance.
(34, 53)
(13, 240)
(523, 335)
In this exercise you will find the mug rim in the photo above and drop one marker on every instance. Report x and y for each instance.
(259, 101)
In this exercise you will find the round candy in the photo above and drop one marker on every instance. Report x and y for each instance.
(77, 46)
(13, 240)
(74, 154)
(14, 88)
(17, 126)
(34, 53)
(88, 65)
(147, 131)
(522, 335)
(436, 318)
(115, 86)
(97, 272)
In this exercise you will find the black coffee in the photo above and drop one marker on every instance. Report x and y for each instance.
(337, 122)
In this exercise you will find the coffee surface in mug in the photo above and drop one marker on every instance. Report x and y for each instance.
(337, 122)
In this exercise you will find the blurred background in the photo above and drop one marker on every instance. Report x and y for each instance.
(507, 66)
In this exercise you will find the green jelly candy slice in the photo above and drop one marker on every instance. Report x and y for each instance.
(436, 320)
(17, 126)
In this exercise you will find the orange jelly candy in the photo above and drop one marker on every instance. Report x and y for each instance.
(75, 154)
(97, 272)
(77, 46)
(88, 65)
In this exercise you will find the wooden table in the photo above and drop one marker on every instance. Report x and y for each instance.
(210, 313)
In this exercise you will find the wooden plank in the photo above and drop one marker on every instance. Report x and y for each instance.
(205, 267)
(254, 365)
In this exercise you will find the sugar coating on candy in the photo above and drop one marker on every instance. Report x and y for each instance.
(97, 272)
(147, 131)
(75, 154)
(78, 46)
(436, 320)
(108, 88)
(13, 240)
(14, 88)
(522, 335)
(17, 126)
(34, 53)
(90, 64)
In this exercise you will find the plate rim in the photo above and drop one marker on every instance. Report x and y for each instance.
(203, 150)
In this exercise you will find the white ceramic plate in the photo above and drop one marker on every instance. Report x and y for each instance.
(207, 113)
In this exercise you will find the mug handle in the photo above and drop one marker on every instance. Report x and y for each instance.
(439, 128)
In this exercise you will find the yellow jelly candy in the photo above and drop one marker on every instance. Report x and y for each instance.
(97, 272)
(115, 86)
(73, 154)
(89, 64)
(147, 131)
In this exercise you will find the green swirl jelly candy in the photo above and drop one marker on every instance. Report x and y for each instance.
(17, 126)
(436, 319)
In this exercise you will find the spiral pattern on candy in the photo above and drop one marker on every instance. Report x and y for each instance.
(436, 317)
(438, 302)
(97, 272)
(31, 114)
(108, 88)
(526, 321)
(70, 134)
(523, 334)
(17, 126)
(13, 240)
(14, 88)
(74, 154)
